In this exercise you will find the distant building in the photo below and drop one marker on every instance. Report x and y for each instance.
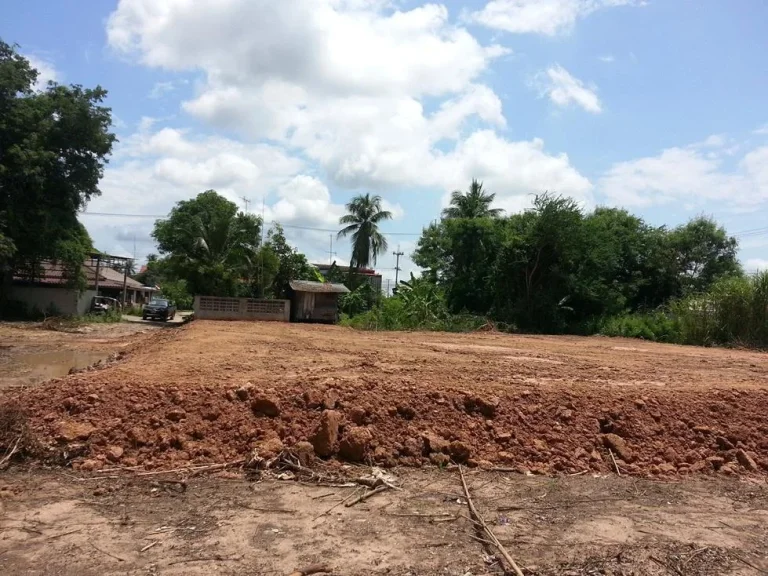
(370, 275)
(315, 301)
(48, 288)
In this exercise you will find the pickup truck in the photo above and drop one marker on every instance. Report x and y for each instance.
(159, 309)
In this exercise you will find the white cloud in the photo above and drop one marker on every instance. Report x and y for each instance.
(46, 71)
(368, 97)
(762, 131)
(563, 89)
(756, 264)
(608, 58)
(160, 89)
(690, 175)
(549, 17)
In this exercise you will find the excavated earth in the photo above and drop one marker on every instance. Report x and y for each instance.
(214, 392)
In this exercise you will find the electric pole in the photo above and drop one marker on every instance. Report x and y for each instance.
(331, 253)
(246, 201)
(397, 265)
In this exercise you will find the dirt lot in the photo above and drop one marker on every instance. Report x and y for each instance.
(57, 524)
(213, 392)
(685, 427)
(30, 354)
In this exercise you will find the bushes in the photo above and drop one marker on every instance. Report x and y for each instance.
(733, 312)
(655, 326)
(418, 305)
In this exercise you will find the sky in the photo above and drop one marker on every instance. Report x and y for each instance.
(656, 106)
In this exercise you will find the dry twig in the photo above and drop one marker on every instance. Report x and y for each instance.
(616, 466)
(314, 569)
(488, 532)
(7, 458)
(367, 495)
(106, 553)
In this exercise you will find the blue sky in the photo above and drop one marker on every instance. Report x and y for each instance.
(656, 106)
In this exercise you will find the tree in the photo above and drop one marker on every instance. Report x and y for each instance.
(209, 243)
(54, 144)
(365, 214)
(704, 253)
(474, 203)
(291, 264)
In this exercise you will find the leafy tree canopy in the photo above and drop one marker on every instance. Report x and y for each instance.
(54, 144)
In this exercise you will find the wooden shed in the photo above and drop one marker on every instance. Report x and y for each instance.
(315, 301)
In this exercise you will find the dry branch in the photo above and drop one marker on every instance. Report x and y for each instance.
(367, 495)
(488, 532)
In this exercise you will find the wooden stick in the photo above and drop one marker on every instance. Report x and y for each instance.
(107, 553)
(367, 495)
(4, 462)
(148, 546)
(618, 472)
(314, 569)
(339, 503)
(479, 519)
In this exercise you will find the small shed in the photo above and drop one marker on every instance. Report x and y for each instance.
(315, 301)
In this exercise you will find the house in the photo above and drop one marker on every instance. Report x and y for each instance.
(48, 289)
(315, 301)
(368, 274)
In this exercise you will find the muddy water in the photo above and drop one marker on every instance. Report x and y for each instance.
(47, 365)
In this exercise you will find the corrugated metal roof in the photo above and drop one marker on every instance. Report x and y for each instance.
(55, 274)
(326, 287)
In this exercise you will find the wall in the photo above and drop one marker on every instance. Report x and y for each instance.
(84, 302)
(216, 308)
(43, 297)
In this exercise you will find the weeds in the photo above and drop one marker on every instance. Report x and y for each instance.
(16, 440)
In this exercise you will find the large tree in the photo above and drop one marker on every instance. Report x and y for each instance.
(54, 144)
(365, 213)
(474, 203)
(209, 243)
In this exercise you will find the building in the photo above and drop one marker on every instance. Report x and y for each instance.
(48, 290)
(315, 301)
(370, 275)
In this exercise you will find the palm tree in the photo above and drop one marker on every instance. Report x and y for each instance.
(474, 203)
(362, 220)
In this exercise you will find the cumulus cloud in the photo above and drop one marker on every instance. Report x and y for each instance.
(563, 89)
(46, 71)
(690, 174)
(548, 17)
(756, 265)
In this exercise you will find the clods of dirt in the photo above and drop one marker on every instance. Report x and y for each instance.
(212, 391)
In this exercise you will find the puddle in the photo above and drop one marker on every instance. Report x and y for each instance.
(47, 365)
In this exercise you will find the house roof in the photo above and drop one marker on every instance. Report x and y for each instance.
(323, 287)
(54, 273)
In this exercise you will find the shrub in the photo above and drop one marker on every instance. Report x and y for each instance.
(655, 326)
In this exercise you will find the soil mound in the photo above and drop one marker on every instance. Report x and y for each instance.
(215, 392)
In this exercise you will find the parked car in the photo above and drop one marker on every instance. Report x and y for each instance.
(159, 309)
(103, 304)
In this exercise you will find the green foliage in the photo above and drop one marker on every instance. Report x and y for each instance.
(209, 244)
(177, 292)
(53, 148)
(655, 326)
(474, 203)
(554, 268)
(417, 305)
(288, 264)
(110, 316)
(733, 311)
(362, 222)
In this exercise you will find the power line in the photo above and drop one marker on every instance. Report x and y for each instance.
(294, 226)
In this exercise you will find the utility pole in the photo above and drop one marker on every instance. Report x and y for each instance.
(246, 201)
(397, 266)
(331, 253)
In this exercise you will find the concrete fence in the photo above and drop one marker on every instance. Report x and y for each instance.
(218, 308)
